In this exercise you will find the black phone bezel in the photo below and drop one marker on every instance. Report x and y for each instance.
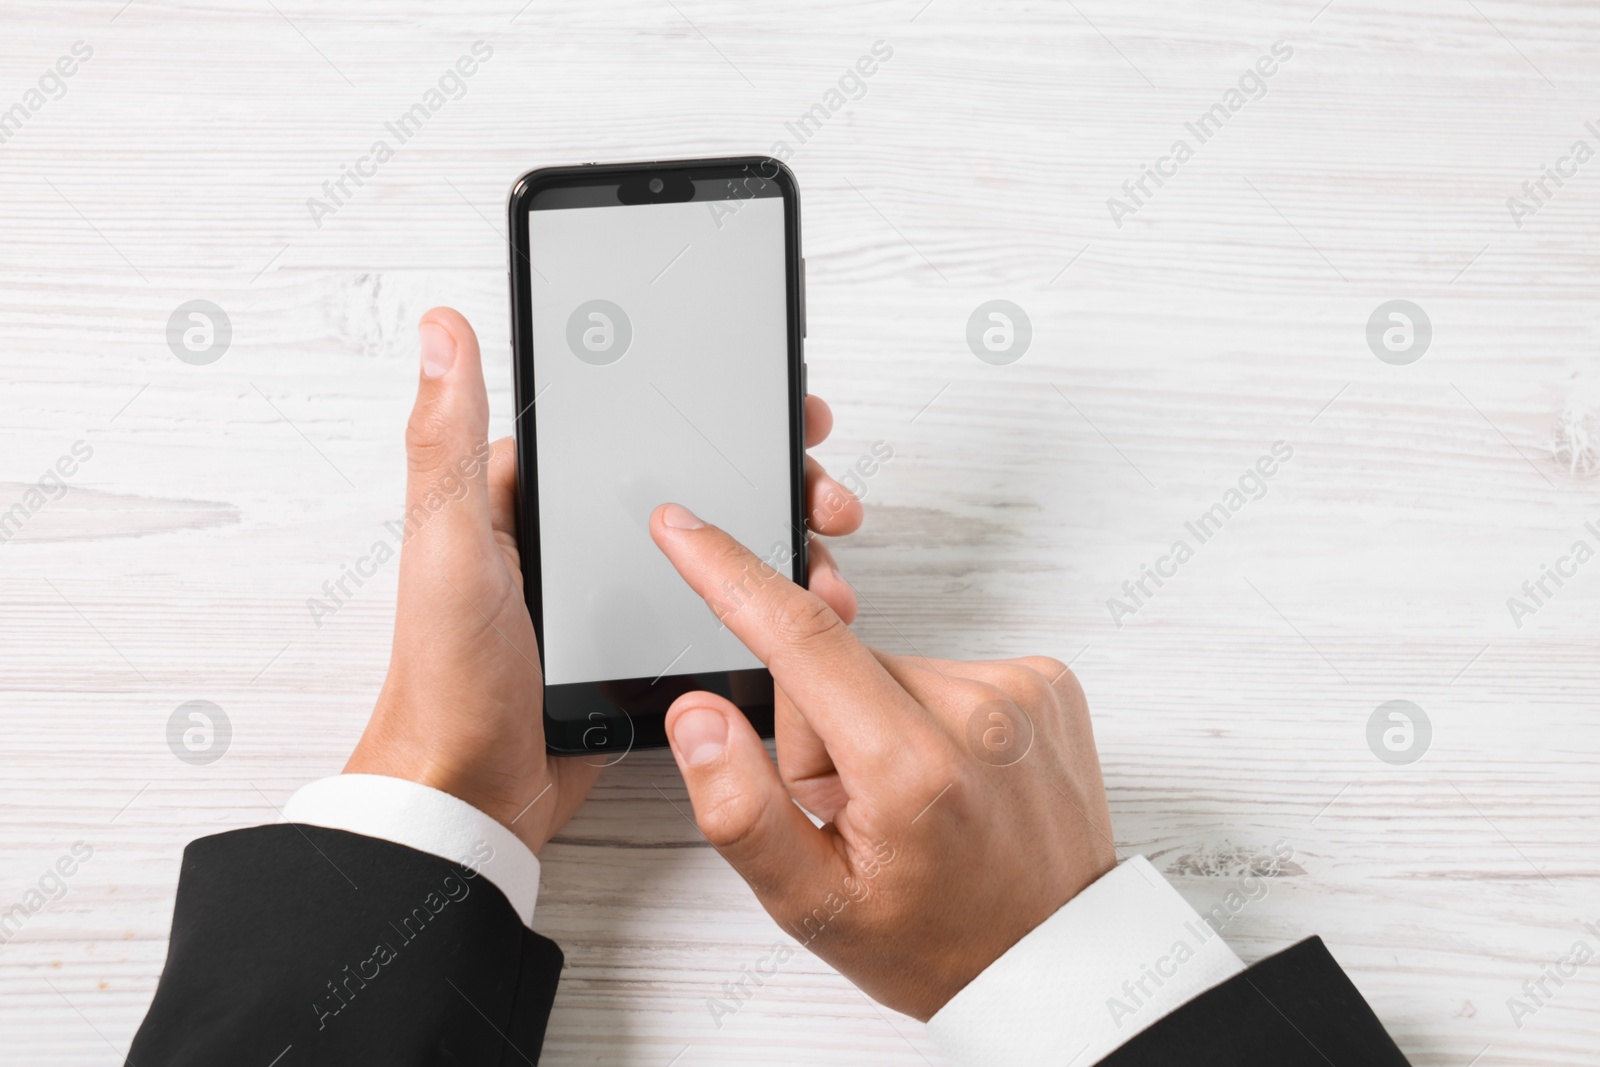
(622, 714)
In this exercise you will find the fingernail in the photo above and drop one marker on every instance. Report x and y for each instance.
(679, 517)
(438, 350)
(700, 735)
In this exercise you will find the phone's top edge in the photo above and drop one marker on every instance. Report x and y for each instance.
(530, 181)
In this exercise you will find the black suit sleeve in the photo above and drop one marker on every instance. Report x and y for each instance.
(297, 945)
(1296, 1008)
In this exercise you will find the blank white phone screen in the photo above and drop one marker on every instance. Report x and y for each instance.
(660, 366)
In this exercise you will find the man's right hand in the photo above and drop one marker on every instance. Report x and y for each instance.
(962, 802)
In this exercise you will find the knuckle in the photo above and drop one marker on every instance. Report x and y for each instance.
(1070, 692)
(733, 820)
(428, 439)
(1007, 715)
(805, 620)
(742, 576)
(1062, 684)
(1048, 666)
(731, 557)
(1026, 686)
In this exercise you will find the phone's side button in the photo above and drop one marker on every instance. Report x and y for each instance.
(802, 296)
(805, 387)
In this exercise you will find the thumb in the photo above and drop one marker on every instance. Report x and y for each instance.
(744, 810)
(447, 447)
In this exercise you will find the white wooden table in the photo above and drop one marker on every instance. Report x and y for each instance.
(1227, 312)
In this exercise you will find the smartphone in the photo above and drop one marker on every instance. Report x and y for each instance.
(658, 327)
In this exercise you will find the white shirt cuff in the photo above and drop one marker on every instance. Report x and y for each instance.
(426, 819)
(1111, 962)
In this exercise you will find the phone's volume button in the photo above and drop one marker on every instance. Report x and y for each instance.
(802, 296)
(805, 386)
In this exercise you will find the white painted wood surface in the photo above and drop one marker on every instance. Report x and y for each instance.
(1168, 354)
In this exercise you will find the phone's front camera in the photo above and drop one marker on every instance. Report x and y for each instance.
(656, 188)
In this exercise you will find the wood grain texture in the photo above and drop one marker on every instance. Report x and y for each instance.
(1228, 313)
